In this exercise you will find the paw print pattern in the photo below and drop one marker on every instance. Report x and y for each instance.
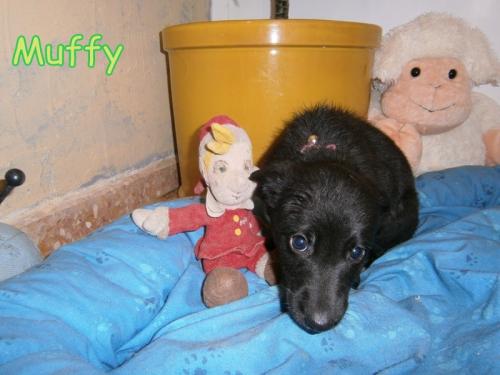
(488, 190)
(341, 363)
(458, 274)
(327, 344)
(215, 353)
(195, 363)
(102, 257)
(150, 304)
(420, 184)
(438, 176)
(5, 294)
(479, 202)
(471, 259)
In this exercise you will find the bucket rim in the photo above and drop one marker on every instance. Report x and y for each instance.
(296, 32)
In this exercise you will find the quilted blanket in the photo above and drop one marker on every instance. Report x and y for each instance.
(123, 302)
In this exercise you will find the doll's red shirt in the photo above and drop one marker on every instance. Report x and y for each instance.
(236, 231)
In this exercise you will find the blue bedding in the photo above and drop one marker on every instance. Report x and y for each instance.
(123, 302)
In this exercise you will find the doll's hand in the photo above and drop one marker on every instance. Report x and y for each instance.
(405, 136)
(154, 222)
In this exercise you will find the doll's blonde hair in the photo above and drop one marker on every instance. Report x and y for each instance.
(219, 141)
(222, 140)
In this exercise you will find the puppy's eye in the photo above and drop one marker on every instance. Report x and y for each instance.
(357, 253)
(415, 72)
(452, 73)
(299, 242)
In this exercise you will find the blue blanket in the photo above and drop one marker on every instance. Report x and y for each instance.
(123, 302)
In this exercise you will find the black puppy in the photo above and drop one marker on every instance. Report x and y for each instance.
(338, 194)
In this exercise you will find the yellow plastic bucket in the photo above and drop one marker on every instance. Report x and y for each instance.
(259, 73)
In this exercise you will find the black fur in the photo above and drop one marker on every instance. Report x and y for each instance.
(358, 192)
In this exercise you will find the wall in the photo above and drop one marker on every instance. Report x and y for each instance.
(69, 128)
(386, 13)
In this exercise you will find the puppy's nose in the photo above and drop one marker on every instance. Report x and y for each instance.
(320, 321)
(320, 318)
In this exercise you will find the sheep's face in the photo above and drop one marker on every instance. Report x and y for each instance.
(434, 94)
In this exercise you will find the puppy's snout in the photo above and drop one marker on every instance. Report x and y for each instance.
(323, 312)
(320, 321)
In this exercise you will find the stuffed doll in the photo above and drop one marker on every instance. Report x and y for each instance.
(232, 238)
(423, 74)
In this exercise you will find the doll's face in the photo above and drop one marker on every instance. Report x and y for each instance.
(434, 94)
(227, 175)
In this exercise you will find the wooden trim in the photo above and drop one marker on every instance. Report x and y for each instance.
(75, 215)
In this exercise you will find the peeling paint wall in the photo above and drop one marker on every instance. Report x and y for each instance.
(67, 128)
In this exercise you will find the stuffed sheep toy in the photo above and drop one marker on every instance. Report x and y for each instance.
(424, 73)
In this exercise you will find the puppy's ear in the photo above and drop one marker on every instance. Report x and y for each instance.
(270, 181)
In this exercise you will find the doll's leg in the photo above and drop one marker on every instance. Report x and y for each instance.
(262, 264)
(223, 285)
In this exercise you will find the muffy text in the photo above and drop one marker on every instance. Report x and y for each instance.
(56, 55)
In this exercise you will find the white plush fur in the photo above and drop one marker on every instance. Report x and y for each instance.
(462, 145)
(437, 35)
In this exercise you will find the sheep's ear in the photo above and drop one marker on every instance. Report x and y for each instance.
(270, 183)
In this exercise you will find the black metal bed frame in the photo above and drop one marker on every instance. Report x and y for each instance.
(13, 178)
